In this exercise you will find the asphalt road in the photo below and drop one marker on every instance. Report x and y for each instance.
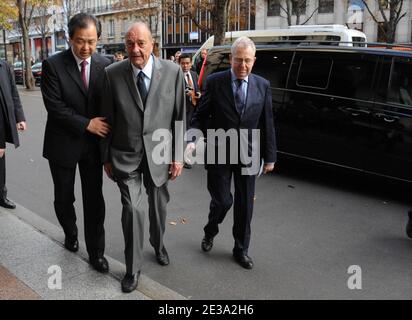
(310, 225)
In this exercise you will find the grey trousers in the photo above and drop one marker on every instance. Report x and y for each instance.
(133, 216)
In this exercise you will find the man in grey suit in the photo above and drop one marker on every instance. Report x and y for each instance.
(143, 95)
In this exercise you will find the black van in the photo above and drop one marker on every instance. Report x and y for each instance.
(346, 106)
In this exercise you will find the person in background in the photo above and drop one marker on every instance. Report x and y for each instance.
(12, 120)
(199, 60)
(177, 56)
(118, 56)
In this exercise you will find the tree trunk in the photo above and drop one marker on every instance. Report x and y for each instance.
(28, 75)
(220, 12)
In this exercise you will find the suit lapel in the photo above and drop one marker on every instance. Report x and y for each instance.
(95, 68)
(73, 71)
(154, 82)
(128, 76)
(228, 91)
(251, 92)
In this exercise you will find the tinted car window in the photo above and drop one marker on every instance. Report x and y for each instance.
(400, 84)
(274, 66)
(314, 72)
(352, 75)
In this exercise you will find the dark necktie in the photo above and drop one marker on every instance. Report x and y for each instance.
(142, 87)
(239, 96)
(83, 64)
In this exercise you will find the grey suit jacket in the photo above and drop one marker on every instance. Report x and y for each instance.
(133, 125)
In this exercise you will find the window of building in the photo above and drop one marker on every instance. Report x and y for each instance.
(273, 8)
(326, 6)
(110, 32)
(124, 26)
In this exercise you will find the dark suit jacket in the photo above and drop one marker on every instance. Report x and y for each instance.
(217, 111)
(195, 87)
(70, 107)
(13, 105)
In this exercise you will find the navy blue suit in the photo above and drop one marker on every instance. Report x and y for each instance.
(217, 110)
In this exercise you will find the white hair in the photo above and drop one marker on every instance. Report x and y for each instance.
(243, 42)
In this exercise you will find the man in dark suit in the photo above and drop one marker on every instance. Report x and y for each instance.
(72, 84)
(191, 89)
(11, 113)
(236, 100)
(143, 96)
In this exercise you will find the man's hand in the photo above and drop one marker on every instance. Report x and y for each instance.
(98, 126)
(108, 168)
(175, 169)
(268, 167)
(2, 151)
(21, 126)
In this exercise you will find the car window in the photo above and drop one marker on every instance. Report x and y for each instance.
(314, 71)
(352, 75)
(400, 82)
(273, 66)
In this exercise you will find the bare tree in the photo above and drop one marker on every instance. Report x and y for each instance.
(196, 11)
(25, 14)
(387, 16)
(295, 8)
(41, 25)
(70, 8)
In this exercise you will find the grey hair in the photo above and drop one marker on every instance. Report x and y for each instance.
(243, 42)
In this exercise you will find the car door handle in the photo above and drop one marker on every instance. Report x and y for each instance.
(355, 112)
(386, 117)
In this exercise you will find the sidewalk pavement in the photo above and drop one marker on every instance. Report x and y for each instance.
(31, 253)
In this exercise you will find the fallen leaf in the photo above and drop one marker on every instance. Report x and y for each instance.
(183, 220)
(173, 223)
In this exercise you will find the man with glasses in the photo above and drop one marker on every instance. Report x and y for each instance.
(236, 100)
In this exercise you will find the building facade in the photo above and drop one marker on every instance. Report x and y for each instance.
(180, 31)
(352, 13)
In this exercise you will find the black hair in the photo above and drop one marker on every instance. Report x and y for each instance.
(82, 21)
(185, 56)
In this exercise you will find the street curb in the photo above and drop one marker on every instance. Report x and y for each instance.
(147, 286)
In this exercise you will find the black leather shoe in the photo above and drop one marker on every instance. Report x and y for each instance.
(130, 282)
(409, 225)
(6, 203)
(71, 244)
(244, 260)
(207, 243)
(162, 258)
(100, 264)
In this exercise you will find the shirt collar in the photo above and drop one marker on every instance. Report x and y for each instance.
(233, 76)
(78, 60)
(147, 70)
